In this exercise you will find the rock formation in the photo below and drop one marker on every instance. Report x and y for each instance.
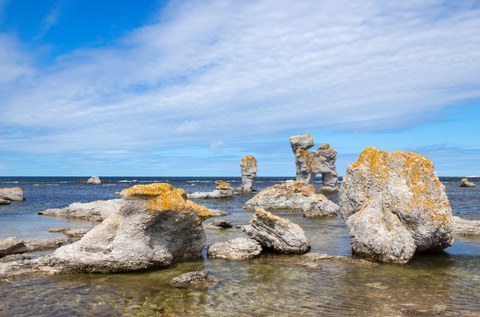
(249, 167)
(93, 211)
(236, 249)
(466, 183)
(277, 233)
(195, 280)
(155, 226)
(395, 205)
(309, 164)
(218, 224)
(14, 245)
(223, 190)
(95, 180)
(11, 194)
(466, 227)
(294, 196)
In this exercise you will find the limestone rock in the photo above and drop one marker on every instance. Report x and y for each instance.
(73, 233)
(4, 201)
(249, 168)
(294, 196)
(466, 227)
(93, 211)
(95, 180)
(11, 194)
(12, 245)
(236, 249)
(277, 233)
(223, 190)
(219, 224)
(395, 205)
(309, 164)
(195, 279)
(156, 226)
(466, 183)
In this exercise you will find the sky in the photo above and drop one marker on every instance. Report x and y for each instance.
(186, 88)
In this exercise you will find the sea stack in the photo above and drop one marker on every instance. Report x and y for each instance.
(466, 183)
(395, 205)
(249, 168)
(309, 164)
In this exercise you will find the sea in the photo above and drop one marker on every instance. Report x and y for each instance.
(445, 284)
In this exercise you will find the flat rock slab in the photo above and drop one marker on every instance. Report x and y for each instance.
(236, 249)
(92, 211)
(466, 227)
(12, 245)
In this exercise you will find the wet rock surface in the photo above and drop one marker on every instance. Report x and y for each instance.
(235, 249)
(196, 280)
(465, 227)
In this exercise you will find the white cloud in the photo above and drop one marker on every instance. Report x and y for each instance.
(217, 146)
(238, 69)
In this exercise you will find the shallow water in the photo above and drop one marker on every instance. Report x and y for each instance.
(445, 284)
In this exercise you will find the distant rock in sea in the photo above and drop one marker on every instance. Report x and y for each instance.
(95, 180)
(249, 168)
(11, 194)
(466, 183)
(223, 190)
(465, 227)
(93, 211)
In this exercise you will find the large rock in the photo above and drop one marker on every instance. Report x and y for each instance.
(11, 245)
(249, 168)
(466, 227)
(156, 226)
(309, 164)
(95, 180)
(294, 196)
(466, 183)
(395, 205)
(223, 190)
(93, 211)
(236, 249)
(11, 194)
(277, 233)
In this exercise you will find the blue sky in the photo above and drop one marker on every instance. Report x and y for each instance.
(186, 88)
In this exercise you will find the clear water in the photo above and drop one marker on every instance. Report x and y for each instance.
(445, 284)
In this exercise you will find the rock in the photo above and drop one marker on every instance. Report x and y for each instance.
(12, 194)
(36, 245)
(95, 180)
(236, 249)
(156, 226)
(4, 201)
(294, 196)
(249, 168)
(395, 205)
(466, 227)
(223, 190)
(277, 233)
(12, 245)
(322, 257)
(219, 224)
(466, 183)
(219, 213)
(196, 280)
(93, 211)
(72, 233)
(14, 257)
(309, 164)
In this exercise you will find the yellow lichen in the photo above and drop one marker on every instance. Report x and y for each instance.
(222, 184)
(248, 160)
(324, 147)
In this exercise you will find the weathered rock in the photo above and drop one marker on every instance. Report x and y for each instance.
(195, 279)
(12, 245)
(72, 233)
(293, 196)
(395, 205)
(14, 257)
(322, 257)
(309, 164)
(249, 168)
(219, 224)
(466, 227)
(218, 213)
(277, 233)
(12, 194)
(156, 226)
(95, 180)
(466, 183)
(93, 211)
(223, 190)
(4, 201)
(236, 249)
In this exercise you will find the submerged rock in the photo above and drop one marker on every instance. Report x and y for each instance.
(236, 249)
(466, 183)
(249, 168)
(223, 190)
(466, 227)
(93, 211)
(195, 279)
(277, 233)
(95, 180)
(156, 226)
(309, 164)
(395, 205)
(294, 196)
(219, 224)
(11, 194)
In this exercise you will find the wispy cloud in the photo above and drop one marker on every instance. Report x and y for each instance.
(52, 18)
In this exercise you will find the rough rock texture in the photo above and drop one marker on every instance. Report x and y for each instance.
(94, 180)
(395, 205)
(219, 224)
(322, 257)
(4, 201)
(236, 249)
(195, 279)
(93, 211)
(223, 190)
(309, 163)
(249, 168)
(12, 194)
(12, 245)
(73, 233)
(155, 227)
(466, 183)
(219, 213)
(466, 227)
(277, 233)
(294, 196)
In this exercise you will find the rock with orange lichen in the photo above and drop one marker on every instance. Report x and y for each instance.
(293, 196)
(277, 233)
(395, 205)
(309, 164)
(156, 226)
(466, 183)
(249, 168)
(223, 190)
(11, 194)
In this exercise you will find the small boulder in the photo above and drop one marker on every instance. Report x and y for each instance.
(236, 249)
(466, 183)
(277, 233)
(466, 227)
(223, 190)
(249, 169)
(195, 280)
(11, 194)
(95, 180)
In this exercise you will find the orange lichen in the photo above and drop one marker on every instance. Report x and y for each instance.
(263, 214)
(222, 184)
(324, 147)
(248, 160)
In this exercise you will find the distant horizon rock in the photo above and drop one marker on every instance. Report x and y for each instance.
(95, 180)
(223, 190)
(466, 183)
(11, 194)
